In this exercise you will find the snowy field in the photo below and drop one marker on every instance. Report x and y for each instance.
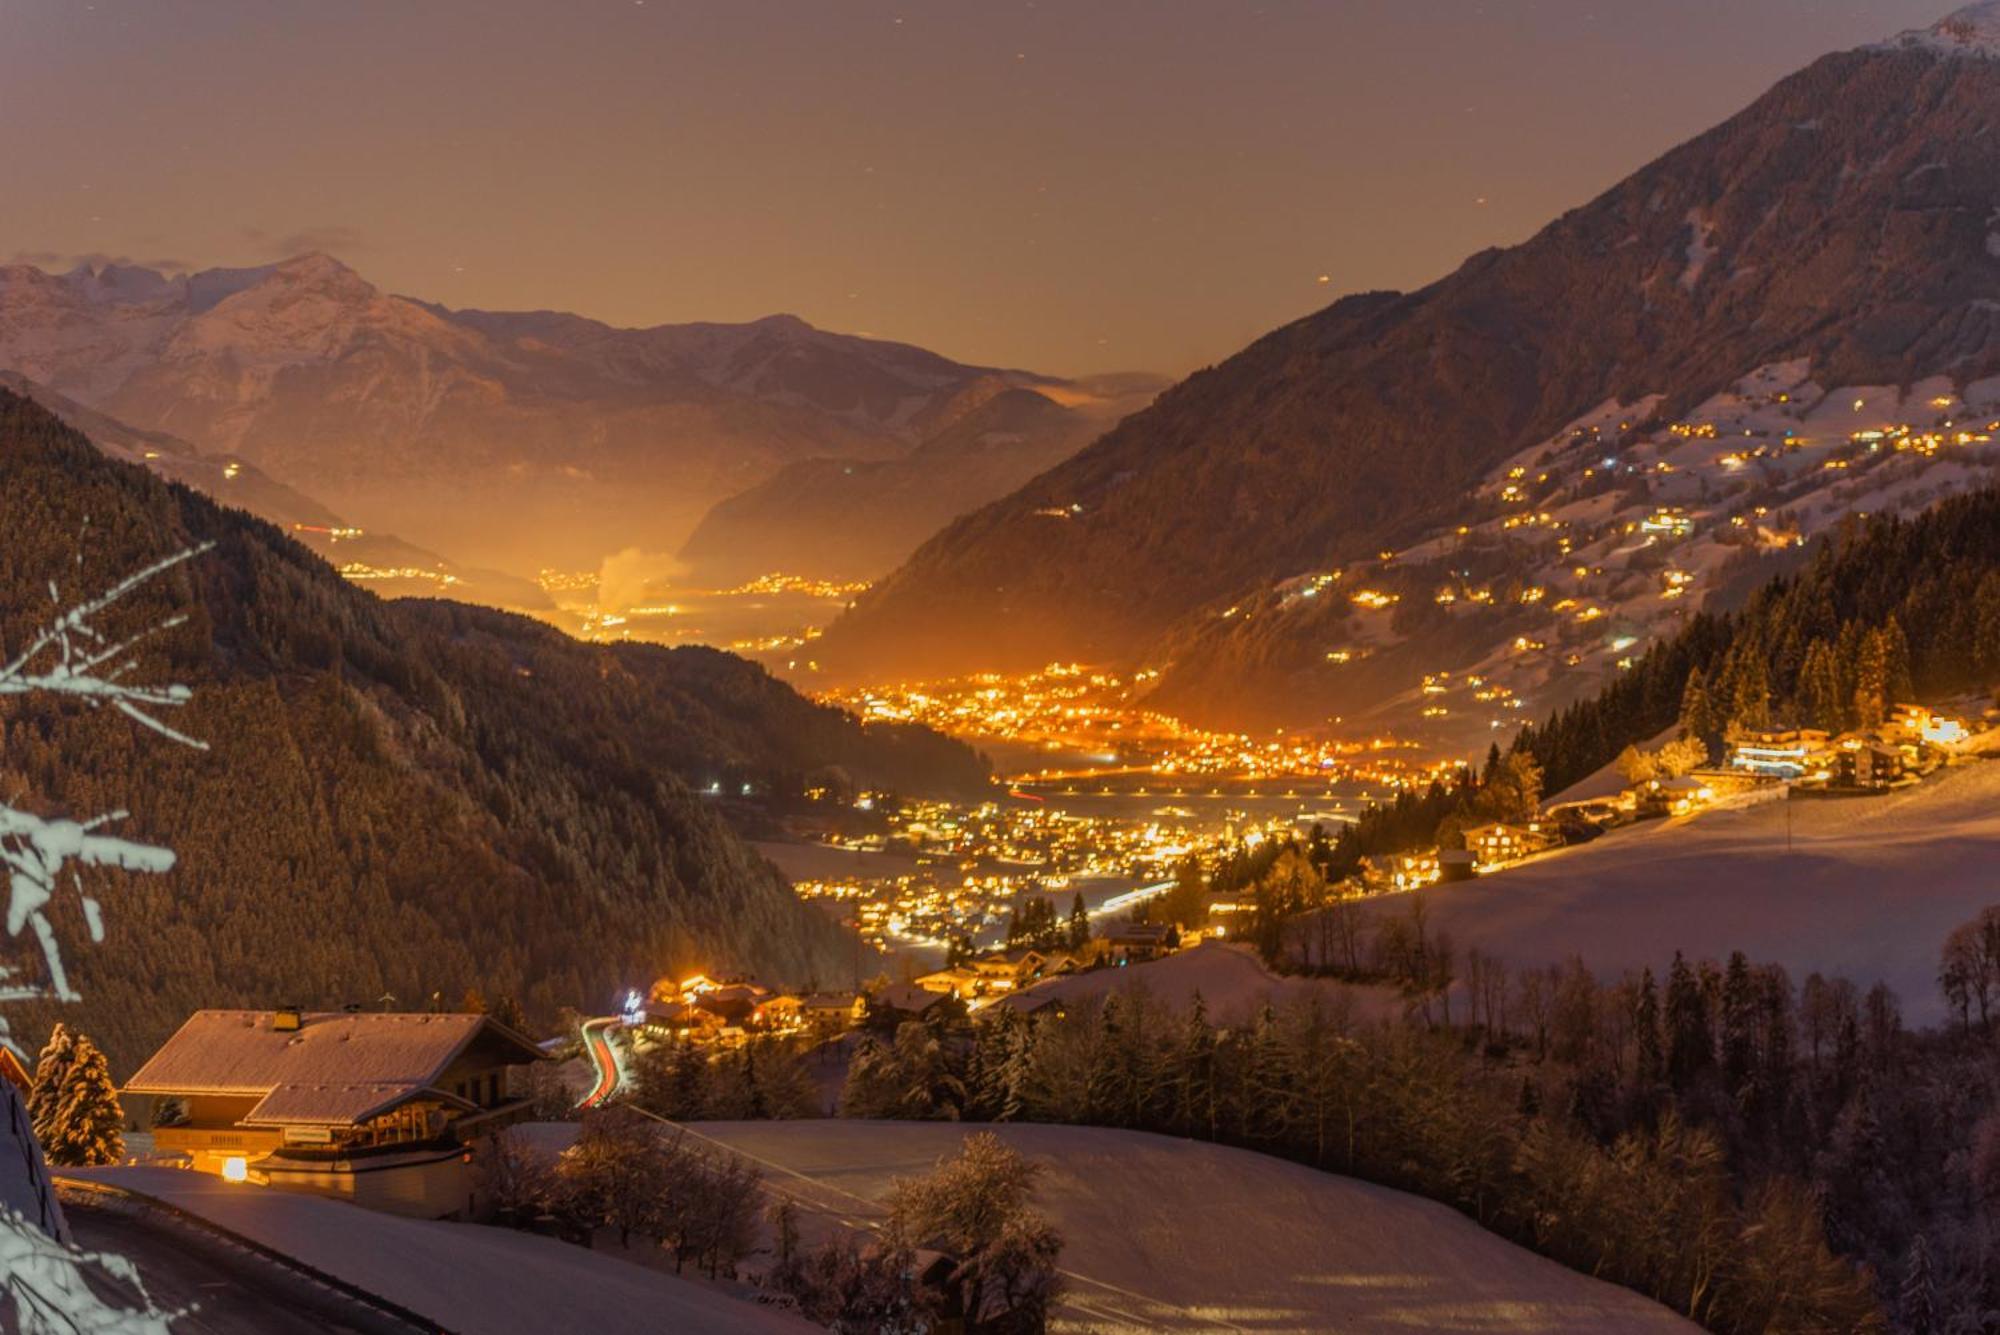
(468, 1278)
(1232, 982)
(1868, 889)
(1165, 1234)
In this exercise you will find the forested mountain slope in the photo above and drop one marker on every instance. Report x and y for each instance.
(410, 799)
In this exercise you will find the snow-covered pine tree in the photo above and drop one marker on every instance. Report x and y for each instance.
(1918, 1297)
(52, 1070)
(86, 1126)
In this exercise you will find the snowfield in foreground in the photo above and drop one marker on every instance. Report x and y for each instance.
(1165, 1234)
(1868, 890)
(468, 1278)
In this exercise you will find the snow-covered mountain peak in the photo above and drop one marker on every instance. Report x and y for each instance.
(1973, 30)
(322, 272)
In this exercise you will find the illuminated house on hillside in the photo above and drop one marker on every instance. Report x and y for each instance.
(1494, 844)
(375, 1107)
(1789, 753)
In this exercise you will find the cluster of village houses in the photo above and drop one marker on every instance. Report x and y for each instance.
(710, 1011)
(1913, 742)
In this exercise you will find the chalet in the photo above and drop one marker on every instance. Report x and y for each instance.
(677, 1019)
(961, 982)
(731, 1003)
(1382, 872)
(905, 1001)
(832, 1011)
(375, 1107)
(1491, 845)
(1867, 763)
(1137, 942)
(1457, 864)
(1780, 753)
(1003, 970)
(1924, 726)
(1034, 1001)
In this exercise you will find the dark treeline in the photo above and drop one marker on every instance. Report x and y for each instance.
(1758, 1152)
(1556, 1121)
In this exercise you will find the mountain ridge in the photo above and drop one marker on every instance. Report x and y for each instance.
(518, 440)
(1816, 224)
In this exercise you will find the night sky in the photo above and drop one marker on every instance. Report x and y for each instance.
(1074, 185)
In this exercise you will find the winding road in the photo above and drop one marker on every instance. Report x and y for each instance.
(603, 1060)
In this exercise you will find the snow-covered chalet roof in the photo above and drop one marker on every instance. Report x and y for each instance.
(336, 1068)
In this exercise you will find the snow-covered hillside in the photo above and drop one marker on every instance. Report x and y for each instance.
(1232, 982)
(1575, 554)
(1163, 1234)
(1864, 887)
(466, 1277)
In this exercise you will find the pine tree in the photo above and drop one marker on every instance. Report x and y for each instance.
(1194, 1075)
(1918, 1296)
(1108, 1091)
(52, 1068)
(1871, 681)
(1690, 1038)
(1651, 1069)
(1698, 709)
(1896, 680)
(1739, 1018)
(86, 1126)
(1819, 697)
(1750, 692)
(1016, 1070)
(1079, 923)
(507, 1011)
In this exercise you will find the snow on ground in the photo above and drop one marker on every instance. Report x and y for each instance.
(1868, 889)
(468, 1278)
(1232, 981)
(1605, 780)
(1163, 1234)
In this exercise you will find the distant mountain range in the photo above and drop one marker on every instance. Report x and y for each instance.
(515, 440)
(1409, 484)
(406, 797)
(852, 519)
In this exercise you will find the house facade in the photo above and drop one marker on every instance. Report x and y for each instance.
(376, 1107)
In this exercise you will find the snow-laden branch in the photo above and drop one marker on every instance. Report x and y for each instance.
(43, 1282)
(71, 658)
(35, 852)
